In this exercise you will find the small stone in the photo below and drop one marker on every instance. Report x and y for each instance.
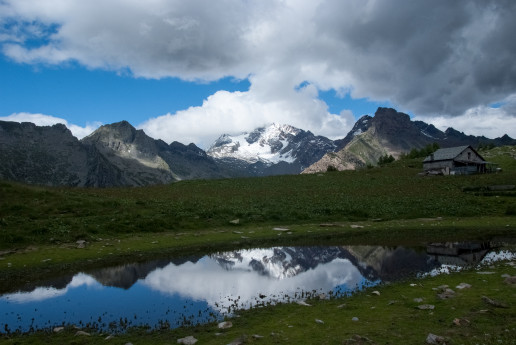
(234, 221)
(391, 302)
(238, 232)
(461, 322)
(81, 244)
(413, 284)
(494, 303)
(82, 333)
(354, 319)
(463, 286)
(484, 272)
(189, 340)
(109, 337)
(58, 329)
(322, 296)
(280, 229)
(435, 339)
(341, 306)
(447, 293)
(377, 293)
(225, 325)
(355, 226)
(303, 303)
(418, 300)
(510, 281)
(319, 321)
(426, 307)
(257, 336)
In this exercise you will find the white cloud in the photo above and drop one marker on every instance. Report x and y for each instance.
(47, 120)
(427, 57)
(492, 122)
(237, 112)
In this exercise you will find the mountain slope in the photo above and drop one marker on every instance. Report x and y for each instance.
(391, 132)
(272, 150)
(113, 155)
(42, 155)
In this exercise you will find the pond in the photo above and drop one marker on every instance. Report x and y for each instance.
(173, 293)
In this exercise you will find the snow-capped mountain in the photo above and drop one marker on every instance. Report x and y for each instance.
(270, 150)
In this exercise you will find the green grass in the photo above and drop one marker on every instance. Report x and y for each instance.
(391, 205)
(30, 215)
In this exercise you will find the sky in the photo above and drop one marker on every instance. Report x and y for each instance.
(190, 71)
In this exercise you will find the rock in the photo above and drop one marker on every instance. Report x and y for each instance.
(109, 337)
(510, 281)
(341, 306)
(189, 340)
(418, 300)
(319, 321)
(391, 302)
(81, 244)
(280, 229)
(435, 339)
(322, 296)
(58, 329)
(447, 293)
(257, 336)
(355, 226)
(82, 333)
(463, 286)
(426, 307)
(358, 340)
(225, 325)
(377, 293)
(461, 322)
(354, 318)
(304, 303)
(483, 272)
(234, 221)
(494, 303)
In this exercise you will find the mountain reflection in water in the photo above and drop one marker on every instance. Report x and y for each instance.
(168, 293)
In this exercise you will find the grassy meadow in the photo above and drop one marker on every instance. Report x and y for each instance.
(388, 205)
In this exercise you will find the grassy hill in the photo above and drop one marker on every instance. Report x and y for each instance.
(33, 214)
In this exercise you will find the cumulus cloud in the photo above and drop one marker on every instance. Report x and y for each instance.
(237, 112)
(47, 120)
(431, 58)
(491, 122)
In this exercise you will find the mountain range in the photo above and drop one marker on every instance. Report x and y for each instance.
(119, 155)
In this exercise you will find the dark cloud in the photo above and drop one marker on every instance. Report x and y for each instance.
(430, 58)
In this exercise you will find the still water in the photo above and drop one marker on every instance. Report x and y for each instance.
(172, 293)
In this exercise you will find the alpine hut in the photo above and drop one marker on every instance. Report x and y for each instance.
(461, 160)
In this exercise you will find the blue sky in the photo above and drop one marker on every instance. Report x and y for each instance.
(191, 71)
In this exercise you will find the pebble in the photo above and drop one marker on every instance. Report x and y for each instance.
(435, 339)
(463, 286)
(447, 293)
(510, 280)
(82, 333)
(225, 325)
(189, 340)
(426, 307)
(58, 329)
(355, 319)
(303, 303)
(418, 300)
(319, 321)
(377, 293)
